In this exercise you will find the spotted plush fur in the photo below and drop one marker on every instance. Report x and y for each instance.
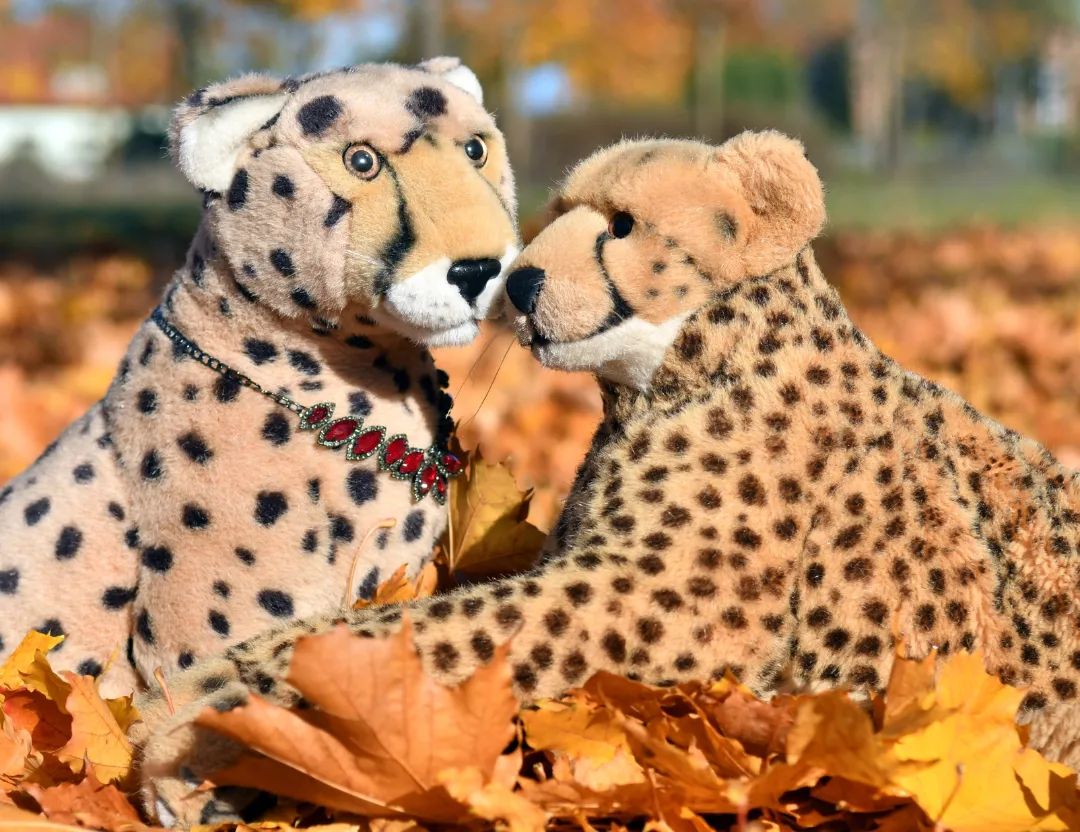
(778, 500)
(185, 511)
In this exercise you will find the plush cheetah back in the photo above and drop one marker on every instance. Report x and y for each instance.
(352, 219)
(779, 500)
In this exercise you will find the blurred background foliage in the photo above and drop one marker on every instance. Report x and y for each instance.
(948, 132)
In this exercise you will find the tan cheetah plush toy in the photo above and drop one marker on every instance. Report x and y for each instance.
(768, 494)
(352, 219)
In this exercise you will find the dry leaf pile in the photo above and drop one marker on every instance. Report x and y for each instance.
(64, 752)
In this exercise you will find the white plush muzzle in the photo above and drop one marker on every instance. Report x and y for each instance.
(430, 310)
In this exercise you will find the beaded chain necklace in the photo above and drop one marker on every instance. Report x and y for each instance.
(427, 469)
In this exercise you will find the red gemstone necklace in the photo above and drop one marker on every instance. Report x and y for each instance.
(427, 469)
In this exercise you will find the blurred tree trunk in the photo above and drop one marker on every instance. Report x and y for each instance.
(877, 78)
(431, 27)
(513, 120)
(188, 19)
(708, 38)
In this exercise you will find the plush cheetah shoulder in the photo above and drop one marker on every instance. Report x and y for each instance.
(768, 495)
(352, 219)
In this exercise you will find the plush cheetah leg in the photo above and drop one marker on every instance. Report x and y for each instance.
(597, 611)
(66, 560)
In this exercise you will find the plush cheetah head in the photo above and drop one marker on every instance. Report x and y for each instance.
(645, 233)
(379, 190)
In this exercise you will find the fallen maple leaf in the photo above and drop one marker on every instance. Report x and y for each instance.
(488, 531)
(26, 667)
(397, 589)
(590, 738)
(378, 732)
(88, 803)
(98, 740)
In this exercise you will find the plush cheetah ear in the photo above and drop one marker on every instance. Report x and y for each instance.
(210, 129)
(783, 191)
(454, 71)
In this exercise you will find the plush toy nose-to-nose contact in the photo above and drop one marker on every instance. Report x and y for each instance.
(523, 286)
(471, 276)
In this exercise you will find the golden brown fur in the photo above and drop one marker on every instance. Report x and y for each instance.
(778, 499)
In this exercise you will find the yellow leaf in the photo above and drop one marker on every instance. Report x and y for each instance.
(489, 532)
(98, 742)
(26, 668)
(963, 762)
(493, 801)
(591, 739)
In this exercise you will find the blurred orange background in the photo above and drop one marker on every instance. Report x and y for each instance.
(948, 134)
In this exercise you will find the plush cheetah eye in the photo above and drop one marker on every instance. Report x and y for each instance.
(477, 151)
(621, 225)
(362, 160)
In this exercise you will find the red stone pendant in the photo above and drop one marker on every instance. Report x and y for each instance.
(449, 464)
(427, 469)
(366, 443)
(411, 463)
(394, 451)
(316, 416)
(338, 432)
(423, 483)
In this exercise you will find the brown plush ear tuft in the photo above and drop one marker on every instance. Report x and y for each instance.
(209, 128)
(784, 193)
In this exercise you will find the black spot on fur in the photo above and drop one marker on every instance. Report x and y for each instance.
(275, 429)
(117, 597)
(279, 604)
(195, 517)
(269, 507)
(226, 389)
(362, 486)
(302, 299)
(157, 558)
(260, 352)
(282, 262)
(151, 467)
(83, 473)
(283, 186)
(9, 581)
(68, 543)
(36, 510)
(413, 526)
(426, 103)
(144, 627)
(196, 449)
(238, 190)
(218, 622)
(338, 209)
(52, 627)
(317, 115)
(89, 667)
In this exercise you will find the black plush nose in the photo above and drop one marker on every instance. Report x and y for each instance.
(471, 276)
(523, 285)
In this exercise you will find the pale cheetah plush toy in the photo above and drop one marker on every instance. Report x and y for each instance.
(768, 494)
(281, 404)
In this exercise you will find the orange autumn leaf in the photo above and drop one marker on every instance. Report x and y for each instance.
(398, 588)
(88, 803)
(378, 732)
(48, 725)
(98, 740)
